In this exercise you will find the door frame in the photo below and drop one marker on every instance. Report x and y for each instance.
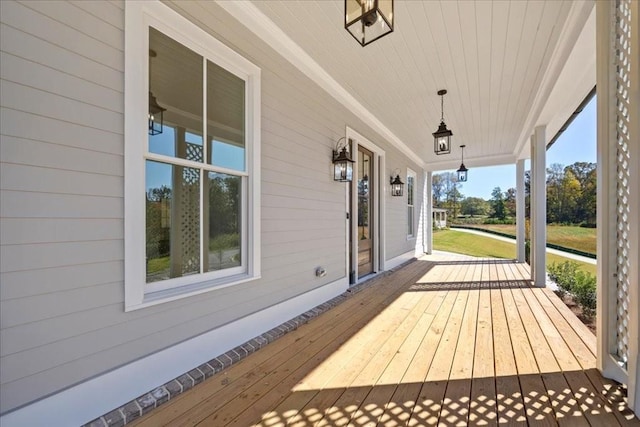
(377, 203)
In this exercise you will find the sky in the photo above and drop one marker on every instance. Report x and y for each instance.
(576, 144)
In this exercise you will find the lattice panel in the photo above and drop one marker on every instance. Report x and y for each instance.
(622, 63)
(190, 220)
(194, 152)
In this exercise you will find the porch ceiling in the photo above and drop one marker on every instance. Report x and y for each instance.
(501, 62)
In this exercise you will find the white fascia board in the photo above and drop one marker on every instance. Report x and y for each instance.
(571, 31)
(258, 23)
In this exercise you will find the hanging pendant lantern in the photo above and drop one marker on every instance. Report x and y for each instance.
(368, 20)
(156, 112)
(462, 171)
(442, 137)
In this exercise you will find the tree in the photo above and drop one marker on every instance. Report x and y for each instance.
(437, 186)
(510, 201)
(446, 191)
(474, 206)
(497, 204)
(555, 174)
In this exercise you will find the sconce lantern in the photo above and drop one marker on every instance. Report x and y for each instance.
(342, 163)
(442, 137)
(156, 112)
(462, 171)
(396, 185)
(368, 20)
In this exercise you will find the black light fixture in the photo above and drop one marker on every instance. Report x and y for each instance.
(462, 171)
(396, 185)
(342, 163)
(368, 20)
(156, 112)
(442, 137)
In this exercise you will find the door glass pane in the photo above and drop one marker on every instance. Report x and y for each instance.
(175, 81)
(225, 118)
(172, 221)
(364, 198)
(224, 225)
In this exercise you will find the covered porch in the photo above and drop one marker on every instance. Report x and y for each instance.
(445, 339)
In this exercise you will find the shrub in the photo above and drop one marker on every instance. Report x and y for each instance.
(495, 221)
(579, 284)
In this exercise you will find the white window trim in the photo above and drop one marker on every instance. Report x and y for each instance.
(411, 173)
(139, 15)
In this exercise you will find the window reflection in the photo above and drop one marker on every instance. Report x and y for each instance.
(172, 221)
(224, 226)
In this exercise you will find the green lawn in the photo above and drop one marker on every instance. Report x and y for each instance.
(568, 236)
(480, 246)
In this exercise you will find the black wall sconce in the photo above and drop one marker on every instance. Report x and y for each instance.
(342, 162)
(462, 171)
(397, 186)
(442, 137)
(368, 20)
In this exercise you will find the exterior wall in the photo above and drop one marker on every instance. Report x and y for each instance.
(62, 186)
(397, 242)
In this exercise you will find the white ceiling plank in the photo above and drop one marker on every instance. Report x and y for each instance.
(491, 56)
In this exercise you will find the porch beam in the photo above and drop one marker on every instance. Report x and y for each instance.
(520, 211)
(538, 207)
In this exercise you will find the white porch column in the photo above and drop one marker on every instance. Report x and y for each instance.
(520, 205)
(428, 211)
(538, 207)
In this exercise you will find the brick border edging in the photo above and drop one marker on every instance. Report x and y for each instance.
(143, 404)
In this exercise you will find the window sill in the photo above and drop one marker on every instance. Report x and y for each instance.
(168, 295)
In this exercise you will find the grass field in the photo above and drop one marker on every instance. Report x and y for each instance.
(480, 246)
(568, 236)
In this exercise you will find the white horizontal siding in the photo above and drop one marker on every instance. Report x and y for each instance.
(21, 284)
(61, 198)
(27, 152)
(19, 204)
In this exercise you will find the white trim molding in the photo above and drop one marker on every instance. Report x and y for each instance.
(85, 402)
(400, 259)
(378, 202)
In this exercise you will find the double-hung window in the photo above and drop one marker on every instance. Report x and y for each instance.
(411, 183)
(191, 159)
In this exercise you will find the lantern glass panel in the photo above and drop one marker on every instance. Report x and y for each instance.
(443, 144)
(462, 175)
(343, 171)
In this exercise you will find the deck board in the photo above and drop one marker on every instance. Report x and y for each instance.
(445, 340)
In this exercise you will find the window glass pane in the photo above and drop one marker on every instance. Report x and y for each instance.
(224, 221)
(410, 190)
(175, 82)
(410, 220)
(225, 118)
(172, 221)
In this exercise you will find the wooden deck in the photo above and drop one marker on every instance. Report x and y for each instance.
(442, 341)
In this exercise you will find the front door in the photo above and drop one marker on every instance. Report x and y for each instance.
(364, 239)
